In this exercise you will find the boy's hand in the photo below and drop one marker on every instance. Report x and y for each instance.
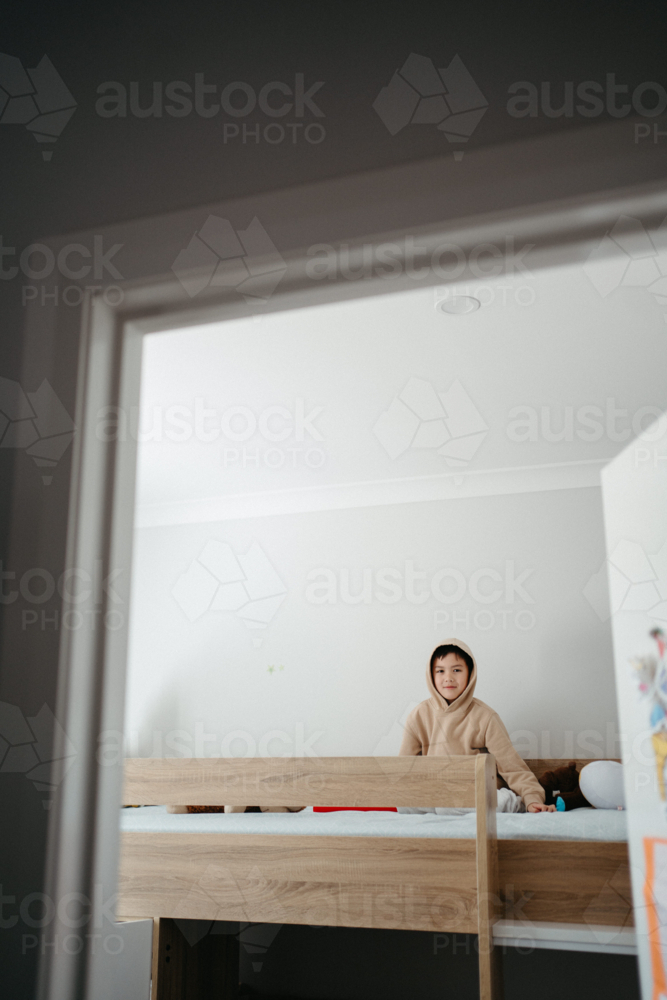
(537, 807)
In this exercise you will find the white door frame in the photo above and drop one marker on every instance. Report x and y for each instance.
(561, 193)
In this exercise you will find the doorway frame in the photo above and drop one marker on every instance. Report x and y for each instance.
(561, 193)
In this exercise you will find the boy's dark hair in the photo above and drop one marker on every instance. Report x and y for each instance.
(444, 650)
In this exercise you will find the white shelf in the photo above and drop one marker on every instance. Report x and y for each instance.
(566, 937)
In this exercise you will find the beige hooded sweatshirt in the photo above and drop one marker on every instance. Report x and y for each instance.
(466, 726)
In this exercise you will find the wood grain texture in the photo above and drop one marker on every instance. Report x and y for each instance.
(301, 781)
(564, 881)
(155, 965)
(398, 883)
(407, 883)
(319, 781)
(488, 899)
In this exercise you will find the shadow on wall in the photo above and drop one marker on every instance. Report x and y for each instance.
(159, 734)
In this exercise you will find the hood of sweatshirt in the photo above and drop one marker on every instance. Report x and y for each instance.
(463, 703)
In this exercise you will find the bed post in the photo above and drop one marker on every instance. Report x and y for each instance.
(488, 897)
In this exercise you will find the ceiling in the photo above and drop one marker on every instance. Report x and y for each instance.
(388, 398)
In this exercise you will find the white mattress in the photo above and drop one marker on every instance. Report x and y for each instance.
(578, 824)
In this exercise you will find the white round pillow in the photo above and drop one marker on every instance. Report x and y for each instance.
(601, 782)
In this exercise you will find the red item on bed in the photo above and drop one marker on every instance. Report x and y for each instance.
(354, 809)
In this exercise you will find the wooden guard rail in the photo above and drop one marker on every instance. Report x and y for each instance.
(464, 782)
(300, 781)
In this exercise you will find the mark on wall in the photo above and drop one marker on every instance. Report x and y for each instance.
(219, 580)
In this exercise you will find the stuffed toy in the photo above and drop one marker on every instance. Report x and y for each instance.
(563, 782)
(205, 809)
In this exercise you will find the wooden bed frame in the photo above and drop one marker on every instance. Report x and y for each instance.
(428, 884)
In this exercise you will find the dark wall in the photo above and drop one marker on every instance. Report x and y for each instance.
(320, 963)
(107, 169)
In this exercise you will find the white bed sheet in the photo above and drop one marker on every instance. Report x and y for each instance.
(578, 824)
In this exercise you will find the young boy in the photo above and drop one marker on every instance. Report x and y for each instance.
(453, 722)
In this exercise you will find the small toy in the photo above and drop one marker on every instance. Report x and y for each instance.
(562, 785)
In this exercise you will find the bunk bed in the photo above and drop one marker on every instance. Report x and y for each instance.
(425, 872)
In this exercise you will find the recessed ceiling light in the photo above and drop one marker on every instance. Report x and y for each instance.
(459, 305)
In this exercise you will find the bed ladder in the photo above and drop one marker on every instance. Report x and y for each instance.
(488, 895)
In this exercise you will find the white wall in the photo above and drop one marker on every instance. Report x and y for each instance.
(351, 671)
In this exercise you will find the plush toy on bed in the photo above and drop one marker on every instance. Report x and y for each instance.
(599, 785)
(563, 783)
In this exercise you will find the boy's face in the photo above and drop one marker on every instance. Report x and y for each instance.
(450, 676)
